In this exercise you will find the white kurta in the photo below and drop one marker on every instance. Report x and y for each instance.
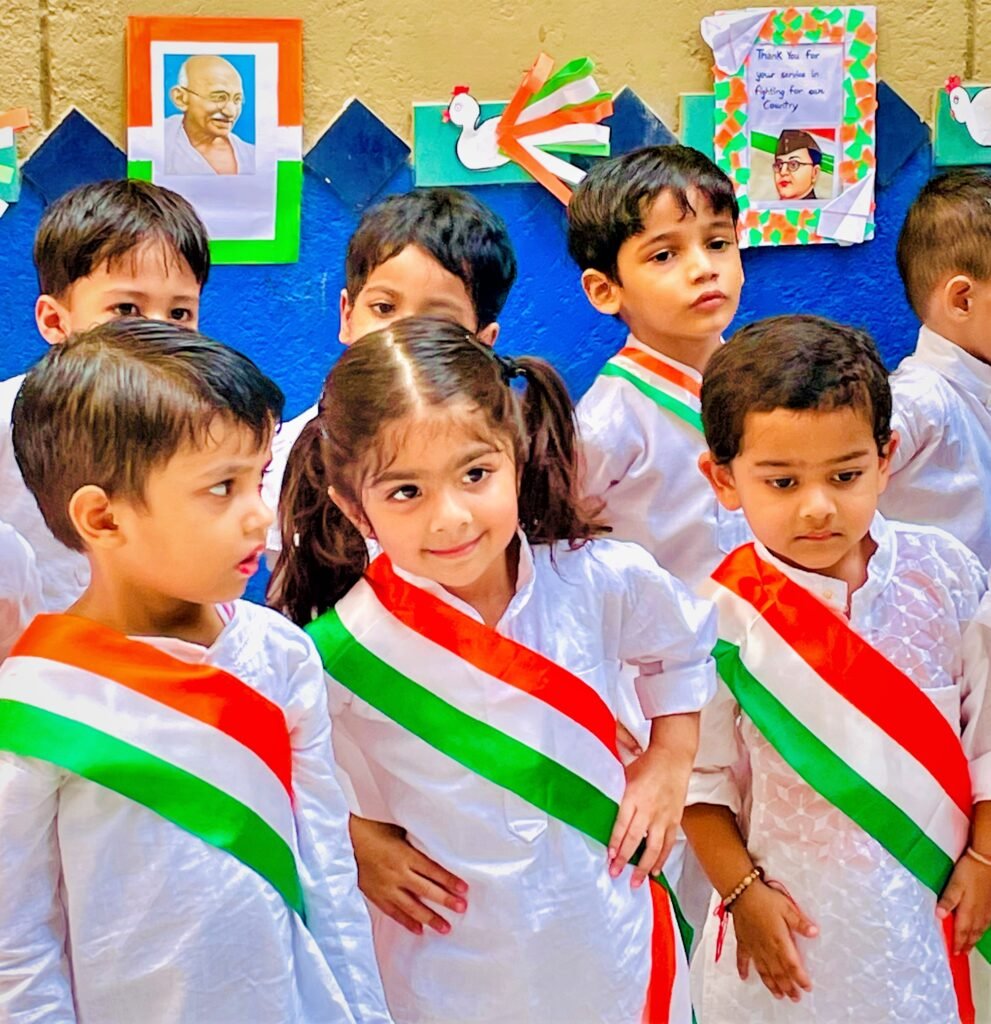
(941, 475)
(880, 957)
(20, 587)
(548, 936)
(109, 914)
(64, 573)
(643, 461)
(182, 157)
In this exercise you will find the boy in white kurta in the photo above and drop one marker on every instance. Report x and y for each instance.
(941, 394)
(103, 250)
(173, 842)
(844, 680)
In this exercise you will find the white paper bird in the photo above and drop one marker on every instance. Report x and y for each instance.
(972, 111)
(548, 113)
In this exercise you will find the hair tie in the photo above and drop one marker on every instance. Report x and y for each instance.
(510, 367)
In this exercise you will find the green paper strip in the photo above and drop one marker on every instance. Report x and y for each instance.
(189, 802)
(573, 71)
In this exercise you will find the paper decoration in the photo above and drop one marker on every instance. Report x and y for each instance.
(471, 143)
(963, 124)
(794, 120)
(215, 112)
(10, 177)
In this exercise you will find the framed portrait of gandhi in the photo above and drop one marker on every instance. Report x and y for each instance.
(214, 110)
(795, 120)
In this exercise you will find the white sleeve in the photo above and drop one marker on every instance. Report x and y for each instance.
(336, 912)
(668, 634)
(918, 414)
(975, 706)
(611, 442)
(714, 779)
(35, 986)
(20, 587)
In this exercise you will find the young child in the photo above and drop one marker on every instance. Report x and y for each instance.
(941, 471)
(104, 250)
(867, 736)
(473, 672)
(20, 588)
(654, 233)
(173, 843)
(429, 252)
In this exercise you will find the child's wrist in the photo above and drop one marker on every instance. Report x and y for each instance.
(980, 858)
(755, 875)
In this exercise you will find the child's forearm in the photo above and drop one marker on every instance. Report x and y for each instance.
(980, 829)
(715, 837)
(675, 738)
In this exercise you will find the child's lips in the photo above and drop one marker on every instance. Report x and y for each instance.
(249, 566)
(709, 300)
(455, 552)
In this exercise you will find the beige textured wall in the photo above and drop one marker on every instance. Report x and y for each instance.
(59, 53)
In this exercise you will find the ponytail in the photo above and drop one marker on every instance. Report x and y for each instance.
(323, 553)
(551, 505)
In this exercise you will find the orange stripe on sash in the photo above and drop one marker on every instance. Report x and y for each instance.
(496, 655)
(662, 369)
(853, 668)
(663, 960)
(203, 692)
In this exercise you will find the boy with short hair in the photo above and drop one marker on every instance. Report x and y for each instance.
(941, 472)
(865, 729)
(429, 252)
(173, 843)
(103, 250)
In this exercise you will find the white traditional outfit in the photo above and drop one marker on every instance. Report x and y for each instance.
(182, 157)
(20, 587)
(64, 573)
(858, 790)
(173, 841)
(941, 470)
(495, 750)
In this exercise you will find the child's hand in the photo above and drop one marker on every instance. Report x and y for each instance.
(764, 921)
(397, 878)
(626, 743)
(652, 806)
(968, 892)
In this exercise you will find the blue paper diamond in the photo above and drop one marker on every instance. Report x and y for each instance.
(357, 155)
(633, 124)
(900, 132)
(75, 153)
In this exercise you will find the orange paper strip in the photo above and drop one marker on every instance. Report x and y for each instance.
(17, 118)
(582, 114)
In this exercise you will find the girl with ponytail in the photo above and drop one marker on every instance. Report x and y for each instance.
(473, 625)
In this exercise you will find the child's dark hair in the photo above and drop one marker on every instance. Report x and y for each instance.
(797, 363)
(465, 237)
(382, 378)
(120, 399)
(610, 204)
(947, 231)
(104, 222)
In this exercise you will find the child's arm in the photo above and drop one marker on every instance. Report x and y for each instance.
(335, 912)
(35, 981)
(20, 587)
(968, 892)
(398, 878)
(765, 920)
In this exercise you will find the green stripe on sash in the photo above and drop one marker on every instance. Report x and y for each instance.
(685, 412)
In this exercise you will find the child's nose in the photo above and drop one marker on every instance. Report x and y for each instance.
(260, 515)
(817, 504)
(701, 264)
(449, 512)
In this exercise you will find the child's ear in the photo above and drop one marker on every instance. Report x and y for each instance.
(488, 334)
(720, 477)
(344, 332)
(90, 512)
(605, 294)
(887, 454)
(958, 296)
(52, 319)
(353, 513)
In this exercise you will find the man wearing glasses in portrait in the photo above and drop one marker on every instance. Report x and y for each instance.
(201, 139)
(797, 161)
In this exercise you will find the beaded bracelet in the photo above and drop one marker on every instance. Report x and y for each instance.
(979, 857)
(742, 887)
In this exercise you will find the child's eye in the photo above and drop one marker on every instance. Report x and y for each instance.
(782, 483)
(847, 476)
(664, 256)
(223, 489)
(126, 309)
(720, 244)
(383, 308)
(405, 493)
(181, 315)
(476, 474)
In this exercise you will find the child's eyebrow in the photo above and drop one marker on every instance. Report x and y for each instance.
(122, 291)
(230, 469)
(800, 464)
(392, 475)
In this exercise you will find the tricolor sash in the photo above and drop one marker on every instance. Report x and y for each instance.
(661, 380)
(389, 642)
(190, 742)
(848, 721)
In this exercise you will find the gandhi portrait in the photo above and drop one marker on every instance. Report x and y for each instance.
(201, 139)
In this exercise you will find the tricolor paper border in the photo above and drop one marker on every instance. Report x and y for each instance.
(287, 35)
(848, 217)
